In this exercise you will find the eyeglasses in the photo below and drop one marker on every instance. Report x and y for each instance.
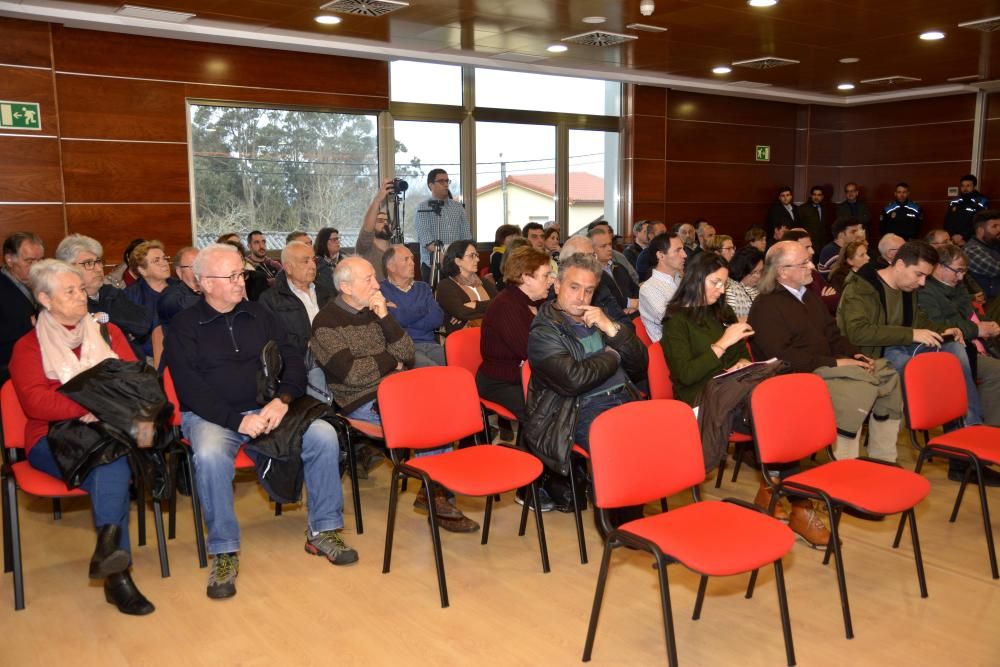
(957, 272)
(717, 283)
(232, 277)
(89, 264)
(804, 265)
(443, 181)
(183, 266)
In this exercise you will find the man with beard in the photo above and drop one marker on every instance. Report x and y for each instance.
(257, 256)
(375, 236)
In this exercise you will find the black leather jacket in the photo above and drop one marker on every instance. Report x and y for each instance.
(287, 307)
(560, 374)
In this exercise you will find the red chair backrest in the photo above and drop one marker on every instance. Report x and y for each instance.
(645, 450)
(640, 331)
(792, 417)
(429, 407)
(934, 390)
(660, 386)
(461, 348)
(14, 419)
(171, 393)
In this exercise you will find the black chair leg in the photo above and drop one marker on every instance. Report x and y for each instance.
(524, 518)
(663, 505)
(199, 533)
(56, 509)
(543, 547)
(668, 619)
(841, 577)
(172, 509)
(834, 519)
(140, 507)
(987, 525)
(899, 531)
(161, 542)
(961, 494)
(738, 462)
(10, 491)
(595, 612)
(277, 509)
(8, 556)
(917, 558)
(390, 526)
(352, 464)
(786, 624)
(436, 543)
(751, 584)
(698, 601)
(486, 519)
(577, 516)
(722, 469)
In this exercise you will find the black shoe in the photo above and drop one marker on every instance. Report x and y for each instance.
(543, 498)
(956, 473)
(120, 590)
(108, 558)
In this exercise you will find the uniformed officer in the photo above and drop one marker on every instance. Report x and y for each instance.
(958, 221)
(902, 216)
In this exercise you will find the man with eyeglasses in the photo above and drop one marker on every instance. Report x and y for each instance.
(213, 351)
(17, 305)
(134, 320)
(440, 221)
(182, 293)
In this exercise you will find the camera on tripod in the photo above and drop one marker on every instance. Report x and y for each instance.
(399, 186)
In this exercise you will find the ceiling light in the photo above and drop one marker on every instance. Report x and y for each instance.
(137, 12)
(646, 7)
(557, 48)
(845, 86)
(762, 3)
(848, 61)
(593, 19)
(932, 35)
(722, 69)
(328, 20)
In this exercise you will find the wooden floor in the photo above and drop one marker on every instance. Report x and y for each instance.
(293, 608)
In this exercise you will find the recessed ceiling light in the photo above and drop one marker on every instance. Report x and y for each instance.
(848, 61)
(762, 3)
(932, 35)
(593, 19)
(845, 86)
(557, 48)
(722, 69)
(328, 20)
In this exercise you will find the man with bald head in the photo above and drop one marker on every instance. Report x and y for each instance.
(213, 351)
(888, 246)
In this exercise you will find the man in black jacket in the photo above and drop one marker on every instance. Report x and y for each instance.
(183, 292)
(213, 352)
(17, 305)
(782, 215)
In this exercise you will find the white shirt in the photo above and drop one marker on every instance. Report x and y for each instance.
(654, 295)
(797, 293)
(308, 299)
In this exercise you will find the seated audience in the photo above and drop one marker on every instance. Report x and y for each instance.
(327, 249)
(689, 235)
(645, 262)
(257, 257)
(513, 243)
(66, 342)
(150, 261)
(213, 351)
(756, 237)
(256, 283)
(852, 258)
(463, 297)
(722, 245)
(640, 236)
(745, 270)
(983, 253)
(603, 298)
(667, 250)
(375, 236)
(552, 245)
(706, 235)
(181, 293)
(618, 258)
(888, 246)
(21, 250)
(135, 321)
(503, 235)
(535, 234)
(819, 285)
(121, 276)
(412, 304)
(844, 230)
(614, 277)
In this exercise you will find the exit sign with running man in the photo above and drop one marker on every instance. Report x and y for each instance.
(20, 115)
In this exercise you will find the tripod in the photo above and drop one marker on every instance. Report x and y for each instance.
(394, 216)
(437, 257)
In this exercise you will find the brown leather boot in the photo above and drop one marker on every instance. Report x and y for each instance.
(806, 522)
(763, 501)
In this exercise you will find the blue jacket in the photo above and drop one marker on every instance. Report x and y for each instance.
(961, 211)
(902, 219)
(141, 293)
(417, 311)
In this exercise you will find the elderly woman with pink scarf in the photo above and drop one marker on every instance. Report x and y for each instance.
(65, 342)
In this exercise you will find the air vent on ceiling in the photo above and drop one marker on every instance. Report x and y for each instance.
(767, 62)
(983, 25)
(645, 27)
(137, 12)
(599, 38)
(516, 57)
(364, 7)
(894, 80)
(749, 84)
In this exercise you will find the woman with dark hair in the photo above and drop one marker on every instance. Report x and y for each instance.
(327, 249)
(852, 257)
(745, 269)
(551, 240)
(701, 335)
(504, 233)
(463, 297)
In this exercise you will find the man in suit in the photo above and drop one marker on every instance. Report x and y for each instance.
(813, 218)
(17, 305)
(782, 215)
(853, 207)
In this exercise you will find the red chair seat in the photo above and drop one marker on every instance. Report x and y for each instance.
(367, 428)
(498, 409)
(577, 449)
(739, 437)
(983, 441)
(38, 483)
(869, 487)
(243, 460)
(480, 471)
(716, 538)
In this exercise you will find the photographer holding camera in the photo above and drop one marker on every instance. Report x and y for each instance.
(375, 236)
(440, 221)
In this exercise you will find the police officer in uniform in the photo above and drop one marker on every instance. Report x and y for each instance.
(902, 216)
(958, 222)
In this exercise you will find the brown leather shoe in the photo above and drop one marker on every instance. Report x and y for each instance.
(806, 522)
(763, 501)
(442, 507)
(461, 525)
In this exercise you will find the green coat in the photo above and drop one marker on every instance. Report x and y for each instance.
(951, 306)
(687, 345)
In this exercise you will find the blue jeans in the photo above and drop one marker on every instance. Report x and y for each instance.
(590, 408)
(106, 484)
(366, 413)
(900, 355)
(215, 449)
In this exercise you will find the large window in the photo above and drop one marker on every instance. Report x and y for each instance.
(593, 177)
(280, 170)
(420, 147)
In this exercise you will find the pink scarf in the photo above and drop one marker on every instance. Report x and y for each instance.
(57, 344)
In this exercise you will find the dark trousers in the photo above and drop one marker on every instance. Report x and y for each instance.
(507, 394)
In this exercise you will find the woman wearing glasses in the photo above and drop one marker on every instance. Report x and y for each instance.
(463, 297)
(86, 253)
(150, 262)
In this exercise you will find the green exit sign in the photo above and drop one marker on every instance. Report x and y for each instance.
(20, 115)
(763, 153)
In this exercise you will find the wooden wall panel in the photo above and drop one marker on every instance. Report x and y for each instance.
(112, 171)
(24, 43)
(30, 169)
(738, 111)
(897, 145)
(650, 134)
(825, 148)
(102, 108)
(891, 114)
(648, 180)
(24, 84)
(720, 142)
(725, 183)
(117, 224)
(46, 220)
(286, 98)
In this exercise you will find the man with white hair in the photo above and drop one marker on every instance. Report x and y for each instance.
(888, 246)
(213, 351)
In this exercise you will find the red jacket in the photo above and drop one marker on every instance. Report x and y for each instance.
(41, 403)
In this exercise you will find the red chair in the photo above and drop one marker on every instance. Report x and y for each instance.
(20, 475)
(462, 349)
(426, 408)
(634, 464)
(935, 395)
(793, 418)
(640, 331)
